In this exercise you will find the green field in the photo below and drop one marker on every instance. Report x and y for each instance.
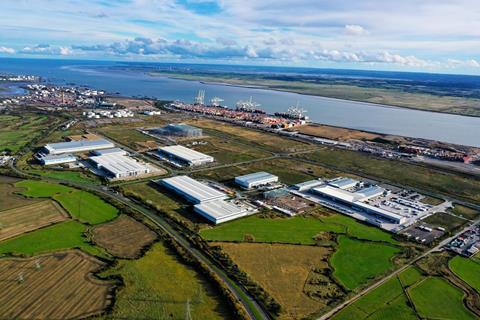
(410, 276)
(73, 176)
(84, 206)
(394, 171)
(436, 298)
(466, 269)
(296, 230)
(356, 262)
(61, 236)
(157, 286)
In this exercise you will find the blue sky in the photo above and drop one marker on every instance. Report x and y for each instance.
(409, 35)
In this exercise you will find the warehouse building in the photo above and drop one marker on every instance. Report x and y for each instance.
(77, 146)
(192, 190)
(343, 183)
(183, 155)
(120, 166)
(179, 130)
(111, 151)
(48, 159)
(307, 185)
(256, 179)
(219, 211)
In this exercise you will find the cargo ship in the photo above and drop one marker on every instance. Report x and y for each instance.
(294, 112)
(249, 106)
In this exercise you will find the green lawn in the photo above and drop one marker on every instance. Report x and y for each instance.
(435, 298)
(355, 262)
(466, 269)
(296, 230)
(61, 236)
(65, 175)
(410, 276)
(18, 131)
(84, 206)
(158, 285)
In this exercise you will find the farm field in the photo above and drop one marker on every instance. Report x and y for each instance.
(10, 199)
(158, 286)
(393, 171)
(355, 262)
(436, 298)
(296, 230)
(84, 206)
(125, 135)
(61, 286)
(283, 271)
(466, 269)
(289, 171)
(17, 131)
(61, 236)
(123, 237)
(23, 219)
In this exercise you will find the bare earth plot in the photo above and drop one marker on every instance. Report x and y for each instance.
(8, 197)
(123, 237)
(20, 220)
(60, 286)
(285, 272)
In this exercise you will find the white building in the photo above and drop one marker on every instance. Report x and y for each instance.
(307, 185)
(77, 146)
(185, 155)
(256, 179)
(343, 183)
(48, 159)
(120, 166)
(219, 211)
(111, 151)
(192, 190)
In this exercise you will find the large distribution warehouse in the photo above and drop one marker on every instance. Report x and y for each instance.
(51, 159)
(77, 146)
(185, 155)
(179, 129)
(120, 166)
(210, 203)
(256, 179)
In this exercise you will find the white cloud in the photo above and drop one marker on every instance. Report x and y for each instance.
(7, 50)
(355, 30)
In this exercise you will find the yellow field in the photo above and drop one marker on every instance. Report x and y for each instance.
(284, 272)
(17, 221)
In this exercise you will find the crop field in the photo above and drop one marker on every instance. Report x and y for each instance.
(296, 230)
(9, 198)
(466, 269)
(158, 286)
(17, 131)
(263, 140)
(393, 171)
(283, 271)
(436, 298)
(355, 262)
(84, 206)
(23, 219)
(289, 171)
(53, 286)
(61, 236)
(123, 237)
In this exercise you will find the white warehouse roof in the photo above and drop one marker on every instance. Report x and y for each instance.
(343, 183)
(78, 146)
(186, 154)
(193, 190)
(109, 151)
(120, 165)
(336, 193)
(370, 192)
(219, 211)
(256, 178)
(381, 212)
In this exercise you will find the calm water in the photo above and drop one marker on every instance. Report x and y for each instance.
(364, 116)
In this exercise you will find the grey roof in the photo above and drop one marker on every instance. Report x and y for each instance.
(81, 144)
(186, 154)
(109, 151)
(220, 209)
(370, 191)
(257, 176)
(194, 189)
(48, 157)
(342, 182)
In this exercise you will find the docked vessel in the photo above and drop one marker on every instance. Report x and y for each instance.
(249, 106)
(294, 112)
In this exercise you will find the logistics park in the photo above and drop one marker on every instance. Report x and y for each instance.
(281, 228)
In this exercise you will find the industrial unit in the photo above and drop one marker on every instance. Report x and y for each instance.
(178, 129)
(343, 183)
(111, 151)
(302, 186)
(77, 146)
(191, 189)
(120, 166)
(256, 179)
(185, 155)
(48, 159)
(219, 211)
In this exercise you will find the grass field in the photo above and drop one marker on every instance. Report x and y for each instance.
(17, 131)
(410, 276)
(14, 222)
(445, 220)
(125, 135)
(296, 230)
(465, 212)
(394, 171)
(466, 269)
(283, 271)
(355, 262)
(63, 287)
(123, 237)
(9, 198)
(157, 286)
(61, 236)
(84, 206)
(435, 298)
(73, 176)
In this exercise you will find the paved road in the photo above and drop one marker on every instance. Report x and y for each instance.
(254, 310)
(437, 248)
